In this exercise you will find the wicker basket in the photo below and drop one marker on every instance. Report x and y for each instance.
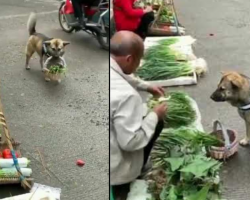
(55, 77)
(231, 142)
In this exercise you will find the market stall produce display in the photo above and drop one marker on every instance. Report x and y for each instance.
(171, 62)
(181, 166)
(166, 16)
(190, 173)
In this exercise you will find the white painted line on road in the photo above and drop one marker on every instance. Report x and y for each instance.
(26, 15)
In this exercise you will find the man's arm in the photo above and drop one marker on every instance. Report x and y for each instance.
(133, 132)
(138, 83)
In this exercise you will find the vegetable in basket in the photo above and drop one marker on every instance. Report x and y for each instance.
(180, 111)
(56, 70)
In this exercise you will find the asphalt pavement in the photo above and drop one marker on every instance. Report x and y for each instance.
(222, 30)
(62, 122)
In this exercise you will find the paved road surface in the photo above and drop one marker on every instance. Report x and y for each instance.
(229, 21)
(65, 122)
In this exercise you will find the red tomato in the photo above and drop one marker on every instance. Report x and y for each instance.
(80, 162)
(7, 154)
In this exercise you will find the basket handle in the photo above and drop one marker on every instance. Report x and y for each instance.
(217, 124)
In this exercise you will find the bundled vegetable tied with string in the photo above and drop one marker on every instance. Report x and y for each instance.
(180, 111)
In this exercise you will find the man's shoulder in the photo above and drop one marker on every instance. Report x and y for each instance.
(120, 88)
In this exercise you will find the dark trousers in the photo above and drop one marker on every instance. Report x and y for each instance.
(146, 20)
(77, 5)
(121, 191)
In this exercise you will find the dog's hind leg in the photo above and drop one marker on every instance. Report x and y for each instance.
(28, 56)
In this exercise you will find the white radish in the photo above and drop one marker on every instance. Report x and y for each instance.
(8, 163)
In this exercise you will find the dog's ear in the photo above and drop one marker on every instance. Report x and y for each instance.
(238, 83)
(65, 43)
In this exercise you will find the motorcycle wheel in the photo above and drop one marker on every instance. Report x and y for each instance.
(62, 20)
(102, 41)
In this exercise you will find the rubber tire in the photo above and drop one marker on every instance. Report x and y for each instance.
(101, 41)
(59, 18)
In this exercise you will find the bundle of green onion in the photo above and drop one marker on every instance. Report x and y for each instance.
(56, 70)
(161, 62)
(180, 111)
(161, 70)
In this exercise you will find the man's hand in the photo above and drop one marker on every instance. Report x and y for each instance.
(161, 110)
(156, 91)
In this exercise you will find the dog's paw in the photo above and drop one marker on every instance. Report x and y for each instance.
(244, 142)
(27, 68)
(59, 81)
(47, 79)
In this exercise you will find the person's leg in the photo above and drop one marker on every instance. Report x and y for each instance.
(146, 20)
(149, 147)
(77, 8)
(120, 192)
(77, 5)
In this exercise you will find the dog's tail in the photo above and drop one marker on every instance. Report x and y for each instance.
(31, 25)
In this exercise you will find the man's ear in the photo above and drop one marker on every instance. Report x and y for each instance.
(129, 58)
(65, 43)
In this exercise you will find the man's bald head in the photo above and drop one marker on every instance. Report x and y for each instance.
(126, 43)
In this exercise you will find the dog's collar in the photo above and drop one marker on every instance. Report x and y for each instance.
(245, 108)
(45, 51)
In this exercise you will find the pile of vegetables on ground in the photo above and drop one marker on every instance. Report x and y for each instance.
(166, 16)
(180, 111)
(162, 62)
(189, 174)
(182, 169)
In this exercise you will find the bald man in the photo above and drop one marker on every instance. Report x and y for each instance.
(133, 129)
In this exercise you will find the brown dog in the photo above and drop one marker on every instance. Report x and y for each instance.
(235, 89)
(43, 45)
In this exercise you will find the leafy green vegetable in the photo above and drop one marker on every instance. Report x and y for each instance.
(200, 166)
(56, 70)
(172, 193)
(201, 195)
(166, 16)
(191, 175)
(180, 112)
(175, 163)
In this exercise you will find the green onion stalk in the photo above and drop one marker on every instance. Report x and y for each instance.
(180, 111)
